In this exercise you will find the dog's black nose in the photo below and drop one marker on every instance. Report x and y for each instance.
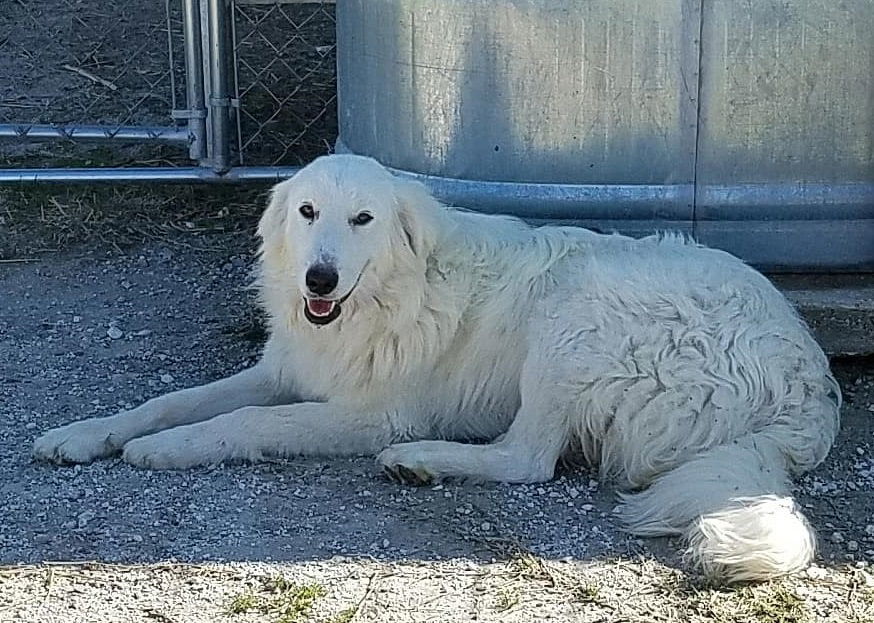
(322, 279)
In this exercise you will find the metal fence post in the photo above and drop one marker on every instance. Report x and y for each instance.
(194, 85)
(259, 79)
(219, 85)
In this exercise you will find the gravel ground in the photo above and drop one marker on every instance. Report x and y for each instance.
(89, 333)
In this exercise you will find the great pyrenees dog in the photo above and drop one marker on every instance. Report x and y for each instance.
(411, 330)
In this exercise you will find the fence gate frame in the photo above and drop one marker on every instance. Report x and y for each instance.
(208, 124)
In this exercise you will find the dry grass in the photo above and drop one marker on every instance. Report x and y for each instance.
(520, 589)
(53, 218)
(279, 599)
(40, 218)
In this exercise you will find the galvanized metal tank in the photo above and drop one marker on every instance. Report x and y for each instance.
(750, 125)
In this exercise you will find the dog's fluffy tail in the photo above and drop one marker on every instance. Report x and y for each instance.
(732, 503)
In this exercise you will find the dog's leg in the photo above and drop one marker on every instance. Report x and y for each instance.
(84, 441)
(527, 452)
(253, 433)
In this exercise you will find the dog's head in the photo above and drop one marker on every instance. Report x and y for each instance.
(340, 223)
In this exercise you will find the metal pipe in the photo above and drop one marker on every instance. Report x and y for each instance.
(219, 94)
(560, 201)
(236, 66)
(194, 87)
(553, 201)
(93, 132)
(171, 57)
(177, 175)
(783, 201)
(615, 202)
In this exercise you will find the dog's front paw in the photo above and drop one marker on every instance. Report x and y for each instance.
(79, 442)
(404, 464)
(177, 448)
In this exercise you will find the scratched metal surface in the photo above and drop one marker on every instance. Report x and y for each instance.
(587, 111)
(602, 91)
(787, 110)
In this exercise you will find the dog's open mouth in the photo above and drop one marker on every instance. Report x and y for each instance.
(321, 311)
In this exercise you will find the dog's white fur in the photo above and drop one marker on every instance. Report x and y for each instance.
(679, 371)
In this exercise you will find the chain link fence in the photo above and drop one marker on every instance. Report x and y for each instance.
(77, 66)
(285, 81)
(168, 89)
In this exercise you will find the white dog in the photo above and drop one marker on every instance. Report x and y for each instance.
(401, 327)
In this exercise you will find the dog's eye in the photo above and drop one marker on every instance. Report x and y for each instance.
(362, 218)
(306, 211)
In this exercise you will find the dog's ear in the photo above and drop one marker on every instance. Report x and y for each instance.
(272, 222)
(417, 212)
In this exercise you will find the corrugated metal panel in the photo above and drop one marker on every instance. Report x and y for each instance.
(602, 91)
(587, 110)
(787, 109)
(785, 173)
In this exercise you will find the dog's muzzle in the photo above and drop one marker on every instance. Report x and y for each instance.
(321, 280)
(320, 311)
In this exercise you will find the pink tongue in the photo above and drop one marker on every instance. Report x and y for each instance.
(320, 307)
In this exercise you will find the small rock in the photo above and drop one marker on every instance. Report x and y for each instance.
(869, 529)
(486, 526)
(852, 545)
(84, 517)
(167, 378)
(816, 573)
(115, 333)
(837, 537)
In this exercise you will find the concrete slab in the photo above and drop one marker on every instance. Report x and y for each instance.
(839, 309)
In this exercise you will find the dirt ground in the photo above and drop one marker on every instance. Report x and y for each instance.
(92, 330)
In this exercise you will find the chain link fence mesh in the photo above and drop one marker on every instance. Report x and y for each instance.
(86, 62)
(72, 63)
(286, 80)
